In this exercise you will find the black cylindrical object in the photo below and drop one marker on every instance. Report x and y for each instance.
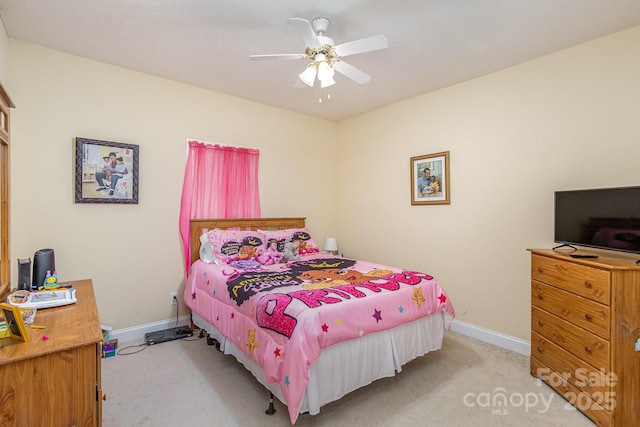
(43, 261)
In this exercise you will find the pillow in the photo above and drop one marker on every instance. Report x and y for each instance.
(306, 244)
(235, 245)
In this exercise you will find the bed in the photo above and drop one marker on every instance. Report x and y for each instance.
(315, 326)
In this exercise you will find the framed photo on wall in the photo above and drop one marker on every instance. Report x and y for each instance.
(106, 172)
(430, 179)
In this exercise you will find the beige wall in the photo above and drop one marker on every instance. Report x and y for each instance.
(4, 42)
(567, 120)
(133, 252)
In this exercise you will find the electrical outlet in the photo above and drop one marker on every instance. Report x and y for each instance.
(173, 298)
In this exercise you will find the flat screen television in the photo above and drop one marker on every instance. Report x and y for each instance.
(605, 218)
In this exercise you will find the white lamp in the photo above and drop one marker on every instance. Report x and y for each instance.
(327, 82)
(308, 76)
(331, 245)
(325, 74)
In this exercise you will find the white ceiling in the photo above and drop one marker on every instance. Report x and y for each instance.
(207, 43)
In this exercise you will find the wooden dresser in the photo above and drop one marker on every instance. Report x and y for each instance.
(585, 321)
(4, 292)
(55, 381)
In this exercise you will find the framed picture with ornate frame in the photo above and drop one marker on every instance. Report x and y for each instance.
(106, 172)
(430, 179)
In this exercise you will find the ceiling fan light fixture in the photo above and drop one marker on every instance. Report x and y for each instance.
(325, 55)
(308, 76)
(327, 82)
(325, 71)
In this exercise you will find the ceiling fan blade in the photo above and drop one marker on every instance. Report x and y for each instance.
(304, 28)
(278, 56)
(360, 46)
(352, 72)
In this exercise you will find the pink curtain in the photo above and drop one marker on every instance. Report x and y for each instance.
(219, 182)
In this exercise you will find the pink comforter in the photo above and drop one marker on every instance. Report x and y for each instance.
(283, 315)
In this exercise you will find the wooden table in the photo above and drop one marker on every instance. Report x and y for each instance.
(4, 292)
(55, 379)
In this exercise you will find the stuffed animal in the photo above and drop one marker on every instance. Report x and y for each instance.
(50, 281)
(206, 249)
(290, 251)
(270, 255)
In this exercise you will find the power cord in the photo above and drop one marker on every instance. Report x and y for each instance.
(176, 331)
(120, 351)
(184, 332)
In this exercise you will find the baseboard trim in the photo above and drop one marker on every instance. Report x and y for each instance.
(481, 334)
(135, 333)
(492, 337)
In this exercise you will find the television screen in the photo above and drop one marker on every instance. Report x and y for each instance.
(606, 218)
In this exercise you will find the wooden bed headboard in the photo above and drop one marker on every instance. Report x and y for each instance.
(197, 225)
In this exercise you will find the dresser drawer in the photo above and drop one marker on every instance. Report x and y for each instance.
(589, 282)
(596, 383)
(582, 343)
(580, 311)
(600, 416)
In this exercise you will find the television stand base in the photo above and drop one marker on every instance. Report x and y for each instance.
(563, 245)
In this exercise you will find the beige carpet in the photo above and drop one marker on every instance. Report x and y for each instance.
(188, 383)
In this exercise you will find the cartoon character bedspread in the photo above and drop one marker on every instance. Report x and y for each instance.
(283, 315)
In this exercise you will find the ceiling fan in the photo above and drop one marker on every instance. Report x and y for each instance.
(326, 56)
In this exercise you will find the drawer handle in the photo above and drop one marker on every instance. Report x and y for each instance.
(540, 270)
(587, 349)
(541, 324)
(540, 350)
(588, 317)
(539, 296)
(588, 284)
